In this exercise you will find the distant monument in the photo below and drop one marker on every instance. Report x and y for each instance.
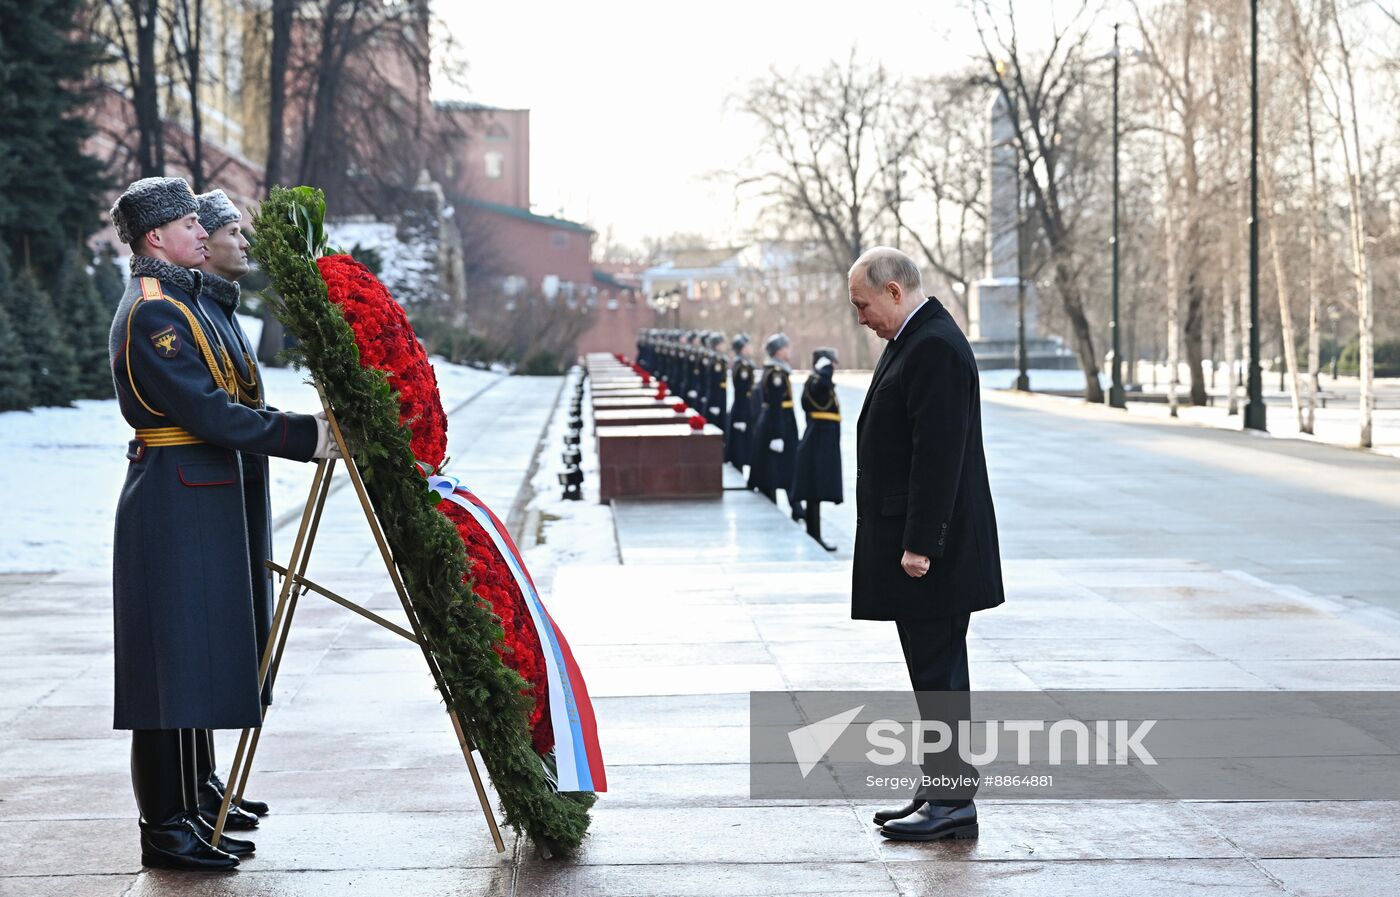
(992, 300)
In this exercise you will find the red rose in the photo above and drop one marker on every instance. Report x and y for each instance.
(386, 341)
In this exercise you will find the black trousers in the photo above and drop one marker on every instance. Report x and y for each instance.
(935, 651)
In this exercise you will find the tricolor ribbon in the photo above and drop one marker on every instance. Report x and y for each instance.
(577, 753)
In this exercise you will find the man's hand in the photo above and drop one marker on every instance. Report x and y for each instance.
(915, 565)
(326, 446)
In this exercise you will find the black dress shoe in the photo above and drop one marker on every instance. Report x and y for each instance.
(883, 816)
(829, 546)
(256, 807)
(177, 845)
(934, 823)
(236, 846)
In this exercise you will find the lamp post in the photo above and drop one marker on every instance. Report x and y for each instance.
(1334, 315)
(1254, 415)
(1023, 377)
(1116, 397)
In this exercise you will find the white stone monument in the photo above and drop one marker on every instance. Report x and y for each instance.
(992, 301)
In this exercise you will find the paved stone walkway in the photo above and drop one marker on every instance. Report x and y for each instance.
(715, 598)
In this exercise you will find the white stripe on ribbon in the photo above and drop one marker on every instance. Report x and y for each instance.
(563, 713)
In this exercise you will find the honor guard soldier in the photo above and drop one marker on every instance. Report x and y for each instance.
(716, 382)
(185, 630)
(226, 261)
(738, 437)
(817, 475)
(775, 431)
(694, 371)
(663, 356)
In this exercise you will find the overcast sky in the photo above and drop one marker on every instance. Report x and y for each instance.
(628, 99)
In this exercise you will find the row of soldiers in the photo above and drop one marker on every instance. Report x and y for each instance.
(759, 422)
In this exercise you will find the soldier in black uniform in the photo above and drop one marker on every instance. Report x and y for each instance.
(817, 473)
(774, 445)
(695, 371)
(737, 437)
(716, 381)
(186, 647)
(227, 260)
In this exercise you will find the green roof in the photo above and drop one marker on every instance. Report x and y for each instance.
(527, 215)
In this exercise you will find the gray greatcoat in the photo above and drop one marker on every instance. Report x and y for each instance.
(183, 611)
(257, 502)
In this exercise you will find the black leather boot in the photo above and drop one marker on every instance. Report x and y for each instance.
(256, 807)
(814, 526)
(909, 809)
(211, 798)
(228, 844)
(159, 776)
(207, 773)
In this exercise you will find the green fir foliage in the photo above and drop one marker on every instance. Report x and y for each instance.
(88, 321)
(48, 187)
(108, 277)
(53, 367)
(459, 627)
(16, 385)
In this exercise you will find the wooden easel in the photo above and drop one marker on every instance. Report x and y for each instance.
(295, 584)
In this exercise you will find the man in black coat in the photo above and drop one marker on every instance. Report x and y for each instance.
(185, 645)
(926, 553)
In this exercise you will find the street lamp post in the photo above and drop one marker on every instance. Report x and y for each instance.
(1023, 377)
(1254, 415)
(1116, 397)
(1334, 315)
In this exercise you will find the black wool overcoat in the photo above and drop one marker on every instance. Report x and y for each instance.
(921, 480)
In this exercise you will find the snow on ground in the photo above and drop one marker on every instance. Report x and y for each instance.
(560, 532)
(64, 469)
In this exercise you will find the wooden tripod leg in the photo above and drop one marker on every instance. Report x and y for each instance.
(281, 640)
(388, 557)
(315, 500)
(466, 745)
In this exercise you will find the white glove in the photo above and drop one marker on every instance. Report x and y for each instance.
(740, 425)
(714, 412)
(326, 446)
(776, 445)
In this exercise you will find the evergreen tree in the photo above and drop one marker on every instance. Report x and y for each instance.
(53, 366)
(107, 275)
(89, 321)
(16, 386)
(49, 190)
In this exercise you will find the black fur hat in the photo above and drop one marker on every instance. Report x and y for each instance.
(149, 203)
(216, 210)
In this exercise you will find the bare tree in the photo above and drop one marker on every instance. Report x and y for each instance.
(828, 138)
(279, 52)
(1055, 135)
(361, 81)
(943, 172)
(127, 28)
(1346, 119)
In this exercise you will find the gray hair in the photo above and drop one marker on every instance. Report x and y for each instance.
(883, 264)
